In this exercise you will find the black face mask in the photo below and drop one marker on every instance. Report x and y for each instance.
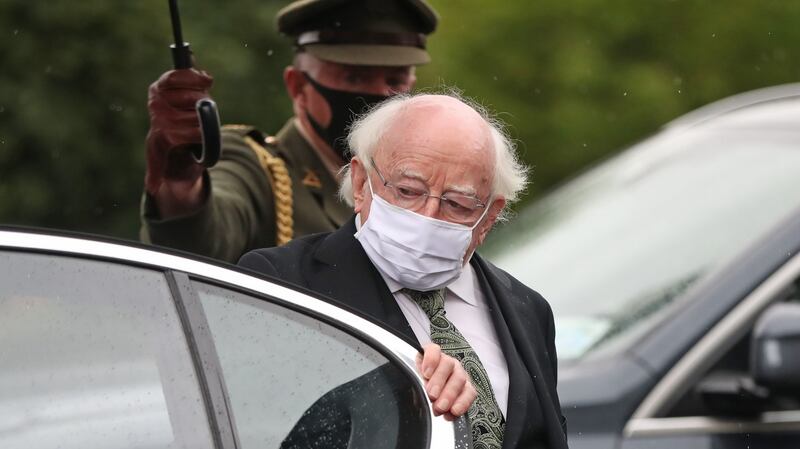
(345, 107)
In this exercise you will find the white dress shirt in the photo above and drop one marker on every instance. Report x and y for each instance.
(466, 308)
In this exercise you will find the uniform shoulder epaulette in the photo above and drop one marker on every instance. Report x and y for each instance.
(264, 140)
(238, 129)
(265, 148)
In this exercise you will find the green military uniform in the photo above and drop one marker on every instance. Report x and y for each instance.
(265, 191)
(245, 197)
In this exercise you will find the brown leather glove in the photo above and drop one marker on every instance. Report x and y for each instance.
(174, 127)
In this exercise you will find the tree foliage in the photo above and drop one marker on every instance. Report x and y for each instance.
(575, 79)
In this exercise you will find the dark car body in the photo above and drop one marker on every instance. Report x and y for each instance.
(659, 263)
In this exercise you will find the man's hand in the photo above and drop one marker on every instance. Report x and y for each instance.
(173, 177)
(446, 382)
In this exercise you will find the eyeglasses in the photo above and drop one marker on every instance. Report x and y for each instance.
(454, 206)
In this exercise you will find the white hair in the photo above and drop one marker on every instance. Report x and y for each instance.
(510, 175)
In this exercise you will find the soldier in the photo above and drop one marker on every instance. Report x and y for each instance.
(265, 190)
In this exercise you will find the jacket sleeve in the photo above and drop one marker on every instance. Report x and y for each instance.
(256, 262)
(238, 215)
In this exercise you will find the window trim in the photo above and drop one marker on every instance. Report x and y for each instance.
(205, 359)
(783, 421)
(646, 420)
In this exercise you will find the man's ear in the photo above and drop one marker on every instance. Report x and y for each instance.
(294, 80)
(495, 208)
(413, 75)
(358, 177)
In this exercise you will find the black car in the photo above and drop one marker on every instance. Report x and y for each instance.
(673, 272)
(110, 345)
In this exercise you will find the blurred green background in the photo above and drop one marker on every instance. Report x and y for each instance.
(576, 80)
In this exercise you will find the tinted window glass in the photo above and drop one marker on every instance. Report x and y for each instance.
(297, 382)
(92, 355)
(612, 247)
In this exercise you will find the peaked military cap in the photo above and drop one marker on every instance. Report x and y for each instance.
(360, 32)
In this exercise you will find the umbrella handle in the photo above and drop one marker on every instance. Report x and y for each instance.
(208, 153)
(209, 128)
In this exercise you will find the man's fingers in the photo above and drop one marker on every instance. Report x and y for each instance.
(180, 89)
(431, 355)
(169, 156)
(438, 380)
(447, 383)
(184, 79)
(179, 138)
(185, 100)
(176, 99)
(166, 117)
(181, 165)
(162, 142)
(464, 400)
(454, 381)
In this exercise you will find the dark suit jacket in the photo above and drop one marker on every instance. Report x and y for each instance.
(335, 265)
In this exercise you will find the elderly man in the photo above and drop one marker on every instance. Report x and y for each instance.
(429, 177)
(265, 190)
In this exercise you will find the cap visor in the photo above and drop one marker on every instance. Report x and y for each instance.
(379, 55)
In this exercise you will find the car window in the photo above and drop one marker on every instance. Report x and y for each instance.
(296, 382)
(92, 355)
(612, 248)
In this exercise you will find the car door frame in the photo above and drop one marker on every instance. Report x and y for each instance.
(181, 268)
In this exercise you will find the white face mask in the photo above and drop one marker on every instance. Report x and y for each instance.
(416, 251)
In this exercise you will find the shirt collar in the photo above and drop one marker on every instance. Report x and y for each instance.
(463, 288)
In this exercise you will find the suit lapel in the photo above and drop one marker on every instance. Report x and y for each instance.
(524, 345)
(341, 276)
(518, 384)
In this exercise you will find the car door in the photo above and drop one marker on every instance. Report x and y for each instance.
(296, 380)
(710, 399)
(93, 355)
(113, 346)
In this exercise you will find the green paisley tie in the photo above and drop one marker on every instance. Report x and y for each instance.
(485, 417)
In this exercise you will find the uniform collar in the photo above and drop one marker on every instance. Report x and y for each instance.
(332, 169)
(306, 162)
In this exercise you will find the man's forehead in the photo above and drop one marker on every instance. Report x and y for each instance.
(464, 176)
(461, 187)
